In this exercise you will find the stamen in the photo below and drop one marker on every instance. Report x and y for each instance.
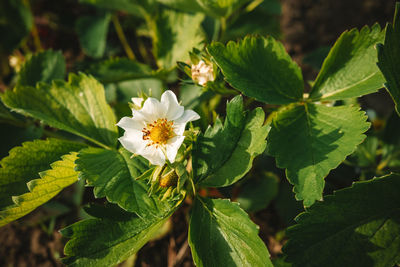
(158, 132)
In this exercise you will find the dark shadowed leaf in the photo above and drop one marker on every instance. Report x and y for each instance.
(92, 32)
(389, 58)
(107, 242)
(16, 23)
(42, 67)
(357, 226)
(257, 192)
(119, 69)
(222, 234)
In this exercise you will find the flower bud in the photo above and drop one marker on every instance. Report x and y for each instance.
(169, 179)
(202, 73)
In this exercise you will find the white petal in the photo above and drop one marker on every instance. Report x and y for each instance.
(154, 155)
(152, 109)
(133, 141)
(137, 101)
(179, 128)
(174, 110)
(141, 117)
(173, 146)
(202, 80)
(188, 115)
(128, 124)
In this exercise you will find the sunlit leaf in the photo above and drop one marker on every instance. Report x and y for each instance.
(176, 33)
(310, 140)
(350, 68)
(113, 175)
(221, 8)
(61, 175)
(77, 106)
(25, 162)
(219, 162)
(132, 7)
(260, 67)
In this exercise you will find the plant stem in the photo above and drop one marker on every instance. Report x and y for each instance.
(122, 37)
(35, 33)
(36, 39)
(223, 27)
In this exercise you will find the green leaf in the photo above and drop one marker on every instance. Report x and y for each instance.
(119, 69)
(217, 162)
(365, 155)
(309, 140)
(175, 34)
(183, 5)
(131, 7)
(258, 18)
(350, 68)
(25, 162)
(260, 67)
(257, 192)
(6, 115)
(15, 136)
(77, 106)
(42, 67)
(61, 175)
(214, 8)
(220, 8)
(107, 242)
(357, 226)
(389, 58)
(222, 234)
(92, 33)
(16, 23)
(134, 88)
(113, 175)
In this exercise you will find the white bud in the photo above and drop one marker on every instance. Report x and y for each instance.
(202, 73)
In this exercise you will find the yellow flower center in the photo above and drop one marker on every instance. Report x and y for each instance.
(158, 132)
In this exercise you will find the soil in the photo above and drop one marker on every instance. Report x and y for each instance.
(306, 26)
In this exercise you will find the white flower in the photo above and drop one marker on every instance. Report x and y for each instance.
(137, 101)
(202, 73)
(156, 130)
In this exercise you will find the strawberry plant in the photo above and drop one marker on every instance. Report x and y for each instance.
(117, 125)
